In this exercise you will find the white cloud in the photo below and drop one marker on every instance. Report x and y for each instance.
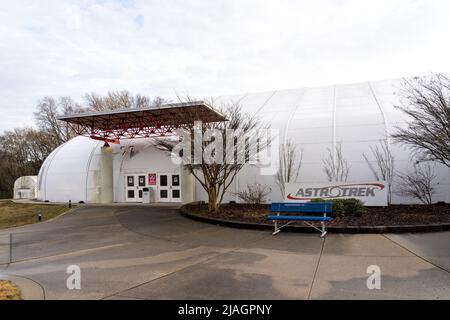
(210, 47)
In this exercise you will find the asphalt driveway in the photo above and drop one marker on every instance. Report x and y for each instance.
(152, 252)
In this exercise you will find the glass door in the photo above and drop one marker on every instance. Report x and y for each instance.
(175, 190)
(134, 183)
(163, 188)
(130, 188)
(169, 187)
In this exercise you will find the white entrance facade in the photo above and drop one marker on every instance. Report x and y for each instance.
(138, 166)
(167, 186)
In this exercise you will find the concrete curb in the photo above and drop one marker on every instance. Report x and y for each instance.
(30, 201)
(29, 289)
(330, 229)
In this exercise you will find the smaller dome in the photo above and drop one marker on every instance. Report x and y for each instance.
(25, 187)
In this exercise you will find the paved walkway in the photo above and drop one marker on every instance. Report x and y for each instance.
(150, 252)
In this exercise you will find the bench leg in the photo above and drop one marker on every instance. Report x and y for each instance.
(275, 230)
(275, 224)
(323, 230)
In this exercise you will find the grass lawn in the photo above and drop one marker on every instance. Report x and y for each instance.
(8, 291)
(18, 214)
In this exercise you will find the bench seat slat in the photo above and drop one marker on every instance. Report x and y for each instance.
(306, 207)
(299, 218)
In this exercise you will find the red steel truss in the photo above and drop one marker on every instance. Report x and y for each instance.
(112, 126)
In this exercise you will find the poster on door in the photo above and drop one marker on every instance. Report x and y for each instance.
(152, 179)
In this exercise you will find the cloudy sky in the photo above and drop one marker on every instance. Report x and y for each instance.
(207, 48)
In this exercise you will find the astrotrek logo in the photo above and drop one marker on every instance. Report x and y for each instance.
(337, 191)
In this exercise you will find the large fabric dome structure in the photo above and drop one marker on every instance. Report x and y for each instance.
(356, 117)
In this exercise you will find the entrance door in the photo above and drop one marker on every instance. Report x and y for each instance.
(134, 183)
(169, 187)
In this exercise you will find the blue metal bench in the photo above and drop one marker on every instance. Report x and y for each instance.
(307, 207)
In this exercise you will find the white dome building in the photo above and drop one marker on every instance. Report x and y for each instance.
(356, 116)
(82, 170)
(25, 187)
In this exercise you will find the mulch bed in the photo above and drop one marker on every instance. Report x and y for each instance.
(393, 215)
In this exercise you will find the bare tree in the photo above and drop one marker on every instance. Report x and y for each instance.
(383, 168)
(120, 100)
(212, 169)
(289, 165)
(111, 101)
(46, 116)
(418, 183)
(22, 152)
(8, 173)
(27, 147)
(426, 101)
(335, 166)
(255, 193)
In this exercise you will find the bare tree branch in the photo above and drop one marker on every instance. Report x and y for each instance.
(384, 168)
(255, 193)
(289, 165)
(120, 100)
(48, 111)
(418, 183)
(426, 101)
(335, 166)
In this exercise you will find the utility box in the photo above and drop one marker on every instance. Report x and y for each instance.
(148, 195)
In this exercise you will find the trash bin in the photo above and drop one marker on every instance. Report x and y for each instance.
(148, 195)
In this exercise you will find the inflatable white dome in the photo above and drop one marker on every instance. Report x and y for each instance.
(66, 174)
(82, 170)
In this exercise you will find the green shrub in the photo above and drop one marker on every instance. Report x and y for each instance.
(345, 207)
(354, 207)
(338, 207)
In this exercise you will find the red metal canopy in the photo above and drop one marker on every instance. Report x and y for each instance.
(113, 125)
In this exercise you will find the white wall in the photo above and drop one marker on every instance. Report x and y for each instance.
(138, 156)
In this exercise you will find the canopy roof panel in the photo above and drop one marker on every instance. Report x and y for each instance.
(113, 125)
